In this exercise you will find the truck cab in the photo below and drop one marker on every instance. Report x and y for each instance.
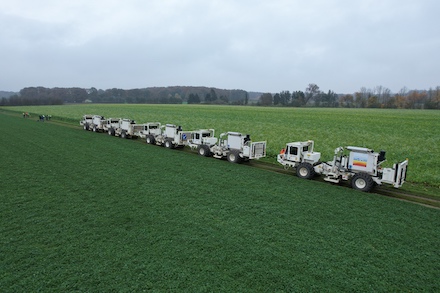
(98, 122)
(86, 121)
(203, 137)
(298, 152)
(152, 128)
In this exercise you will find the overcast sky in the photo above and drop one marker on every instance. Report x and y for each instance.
(266, 46)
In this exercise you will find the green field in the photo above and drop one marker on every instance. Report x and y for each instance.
(82, 211)
(412, 134)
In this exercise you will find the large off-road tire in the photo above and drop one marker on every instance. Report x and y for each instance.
(169, 144)
(94, 128)
(111, 132)
(204, 150)
(150, 139)
(234, 156)
(86, 126)
(123, 134)
(362, 182)
(305, 171)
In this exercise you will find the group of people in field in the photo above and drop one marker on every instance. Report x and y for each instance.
(45, 117)
(41, 118)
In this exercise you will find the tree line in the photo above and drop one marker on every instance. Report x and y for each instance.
(378, 97)
(155, 95)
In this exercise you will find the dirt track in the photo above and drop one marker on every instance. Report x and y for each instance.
(382, 190)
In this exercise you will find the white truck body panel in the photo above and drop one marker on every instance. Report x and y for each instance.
(86, 119)
(202, 137)
(234, 140)
(170, 130)
(150, 128)
(98, 123)
(362, 161)
(111, 123)
(126, 124)
(153, 128)
(97, 120)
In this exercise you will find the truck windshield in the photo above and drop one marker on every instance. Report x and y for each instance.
(293, 150)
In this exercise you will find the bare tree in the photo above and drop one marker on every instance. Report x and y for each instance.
(266, 99)
(346, 101)
(311, 92)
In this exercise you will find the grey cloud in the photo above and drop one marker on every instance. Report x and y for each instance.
(252, 45)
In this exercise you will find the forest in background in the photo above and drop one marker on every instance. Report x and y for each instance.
(312, 96)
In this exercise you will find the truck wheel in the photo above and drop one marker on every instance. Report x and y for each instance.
(86, 126)
(94, 129)
(169, 144)
(305, 171)
(123, 134)
(111, 132)
(234, 157)
(150, 139)
(204, 150)
(362, 182)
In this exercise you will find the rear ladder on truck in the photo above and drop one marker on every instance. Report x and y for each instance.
(257, 150)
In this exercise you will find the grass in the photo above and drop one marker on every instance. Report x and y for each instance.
(82, 211)
(403, 134)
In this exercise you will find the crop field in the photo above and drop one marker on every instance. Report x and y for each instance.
(81, 211)
(412, 134)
